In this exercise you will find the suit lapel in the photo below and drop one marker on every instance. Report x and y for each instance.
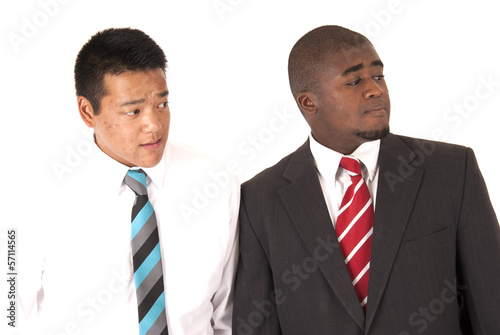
(304, 201)
(398, 185)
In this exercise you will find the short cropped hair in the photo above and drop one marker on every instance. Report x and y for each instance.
(114, 51)
(309, 55)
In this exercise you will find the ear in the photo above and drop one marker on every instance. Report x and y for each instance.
(307, 102)
(86, 111)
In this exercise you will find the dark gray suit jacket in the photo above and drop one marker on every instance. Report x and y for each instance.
(435, 261)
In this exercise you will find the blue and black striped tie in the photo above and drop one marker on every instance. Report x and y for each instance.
(148, 273)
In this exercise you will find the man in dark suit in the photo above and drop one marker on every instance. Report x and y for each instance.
(426, 255)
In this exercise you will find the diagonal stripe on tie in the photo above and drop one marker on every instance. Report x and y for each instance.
(363, 303)
(144, 250)
(355, 234)
(140, 202)
(150, 298)
(153, 314)
(139, 176)
(149, 282)
(349, 197)
(361, 274)
(146, 266)
(159, 327)
(358, 246)
(136, 183)
(359, 259)
(141, 218)
(142, 236)
(358, 215)
(352, 208)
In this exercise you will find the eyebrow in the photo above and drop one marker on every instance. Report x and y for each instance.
(139, 101)
(162, 95)
(359, 66)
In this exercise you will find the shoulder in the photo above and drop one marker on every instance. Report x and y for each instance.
(297, 164)
(200, 191)
(186, 167)
(180, 153)
(274, 172)
(419, 143)
(440, 163)
(181, 158)
(424, 151)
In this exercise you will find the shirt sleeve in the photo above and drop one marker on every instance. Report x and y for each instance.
(223, 299)
(30, 275)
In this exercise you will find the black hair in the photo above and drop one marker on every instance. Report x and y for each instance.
(114, 51)
(308, 56)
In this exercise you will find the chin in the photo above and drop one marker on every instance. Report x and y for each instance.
(156, 161)
(373, 135)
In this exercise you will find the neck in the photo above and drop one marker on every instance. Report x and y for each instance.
(343, 147)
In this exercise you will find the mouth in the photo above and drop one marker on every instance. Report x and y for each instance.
(376, 110)
(152, 145)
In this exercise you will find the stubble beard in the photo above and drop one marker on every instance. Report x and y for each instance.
(373, 135)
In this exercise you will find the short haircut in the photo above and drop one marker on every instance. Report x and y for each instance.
(309, 55)
(114, 51)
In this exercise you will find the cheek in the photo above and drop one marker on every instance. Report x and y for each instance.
(109, 127)
(118, 133)
(112, 130)
(165, 123)
(166, 119)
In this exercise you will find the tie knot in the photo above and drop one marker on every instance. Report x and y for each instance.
(136, 180)
(351, 165)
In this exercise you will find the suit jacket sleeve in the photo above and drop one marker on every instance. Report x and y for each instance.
(478, 253)
(255, 298)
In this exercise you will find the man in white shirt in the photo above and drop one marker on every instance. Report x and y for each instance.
(361, 231)
(82, 281)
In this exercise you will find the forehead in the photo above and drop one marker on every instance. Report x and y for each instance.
(135, 83)
(345, 59)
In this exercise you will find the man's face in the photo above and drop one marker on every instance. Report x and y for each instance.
(132, 126)
(352, 105)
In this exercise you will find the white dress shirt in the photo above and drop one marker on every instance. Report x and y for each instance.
(335, 180)
(84, 283)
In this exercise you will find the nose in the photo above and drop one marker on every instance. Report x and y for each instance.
(374, 89)
(151, 122)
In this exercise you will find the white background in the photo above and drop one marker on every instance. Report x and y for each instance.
(228, 80)
(227, 76)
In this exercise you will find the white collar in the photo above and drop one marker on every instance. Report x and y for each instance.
(328, 160)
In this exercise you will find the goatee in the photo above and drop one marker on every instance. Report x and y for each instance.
(372, 135)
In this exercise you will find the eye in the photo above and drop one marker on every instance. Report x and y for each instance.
(354, 83)
(163, 104)
(380, 77)
(132, 113)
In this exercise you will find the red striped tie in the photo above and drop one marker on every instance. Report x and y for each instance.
(354, 229)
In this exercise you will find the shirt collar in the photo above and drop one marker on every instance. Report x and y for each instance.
(328, 160)
(155, 173)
